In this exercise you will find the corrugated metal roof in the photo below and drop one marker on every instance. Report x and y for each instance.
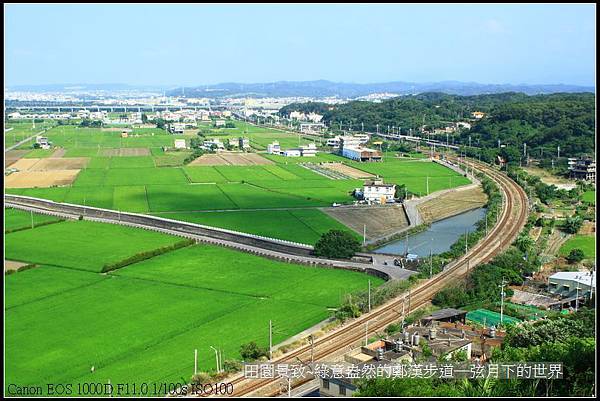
(578, 277)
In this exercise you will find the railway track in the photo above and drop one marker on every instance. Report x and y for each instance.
(510, 222)
(268, 247)
(512, 218)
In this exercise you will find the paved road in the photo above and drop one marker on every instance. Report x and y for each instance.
(16, 145)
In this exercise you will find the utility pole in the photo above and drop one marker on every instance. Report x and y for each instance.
(196, 361)
(430, 261)
(369, 295)
(270, 340)
(486, 224)
(364, 234)
(216, 358)
(558, 152)
(403, 302)
(502, 300)
(312, 348)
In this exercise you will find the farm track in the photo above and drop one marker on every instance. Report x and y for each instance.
(511, 221)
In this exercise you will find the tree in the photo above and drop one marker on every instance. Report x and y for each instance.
(160, 123)
(524, 242)
(251, 351)
(337, 244)
(572, 224)
(400, 191)
(576, 255)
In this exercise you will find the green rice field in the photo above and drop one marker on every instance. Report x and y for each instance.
(587, 243)
(142, 323)
(158, 183)
(15, 219)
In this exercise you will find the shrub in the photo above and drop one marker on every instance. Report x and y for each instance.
(576, 255)
(251, 351)
(232, 366)
(337, 244)
(146, 255)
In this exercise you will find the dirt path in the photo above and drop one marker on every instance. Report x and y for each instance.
(13, 265)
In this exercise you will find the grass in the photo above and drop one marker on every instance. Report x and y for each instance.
(15, 219)
(39, 153)
(42, 282)
(308, 224)
(81, 245)
(163, 198)
(587, 243)
(158, 183)
(147, 176)
(590, 197)
(143, 322)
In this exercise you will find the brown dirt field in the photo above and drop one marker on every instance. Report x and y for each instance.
(549, 179)
(347, 170)
(24, 164)
(114, 129)
(588, 228)
(209, 160)
(65, 163)
(41, 179)
(60, 152)
(126, 152)
(381, 221)
(12, 156)
(231, 159)
(12, 265)
(255, 159)
(452, 203)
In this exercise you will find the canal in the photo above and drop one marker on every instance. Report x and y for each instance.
(438, 238)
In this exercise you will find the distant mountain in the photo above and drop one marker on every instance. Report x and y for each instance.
(322, 88)
(116, 87)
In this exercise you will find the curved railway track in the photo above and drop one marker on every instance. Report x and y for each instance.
(510, 222)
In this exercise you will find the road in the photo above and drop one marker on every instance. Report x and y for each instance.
(16, 145)
(273, 248)
(512, 219)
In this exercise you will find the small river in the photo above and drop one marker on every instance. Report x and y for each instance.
(438, 238)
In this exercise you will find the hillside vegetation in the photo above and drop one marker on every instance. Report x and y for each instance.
(542, 121)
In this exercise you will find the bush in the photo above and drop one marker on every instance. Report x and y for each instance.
(576, 255)
(251, 351)
(146, 255)
(572, 224)
(201, 378)
(232, 366)
(337, 244)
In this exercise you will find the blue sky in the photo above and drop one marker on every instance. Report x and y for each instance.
(200, 44)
